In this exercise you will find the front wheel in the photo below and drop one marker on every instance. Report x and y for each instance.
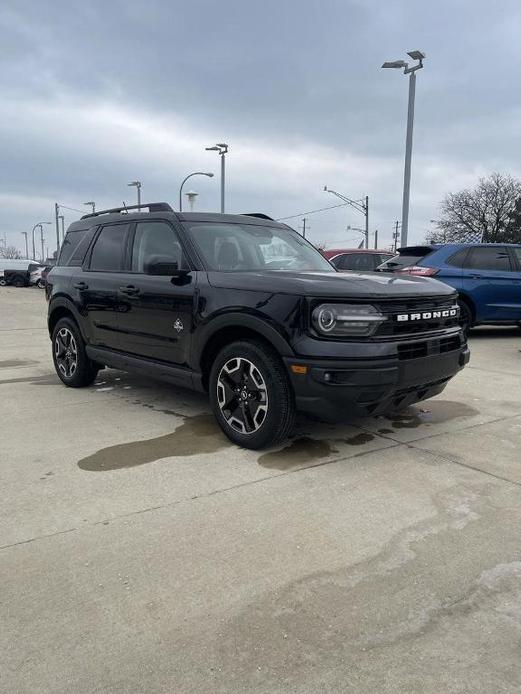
(70, 358)
(251, 396)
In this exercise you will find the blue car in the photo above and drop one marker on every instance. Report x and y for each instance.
(486, 275)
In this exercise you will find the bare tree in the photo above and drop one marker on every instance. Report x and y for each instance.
(10, 252)
(486, 213)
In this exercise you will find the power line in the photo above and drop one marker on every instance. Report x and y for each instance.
(301, 214)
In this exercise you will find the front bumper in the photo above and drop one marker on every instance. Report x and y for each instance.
(338, 389)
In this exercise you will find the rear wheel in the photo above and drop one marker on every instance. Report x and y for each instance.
(70, 358)
(17, 281)
(250, 395)
(3, 282)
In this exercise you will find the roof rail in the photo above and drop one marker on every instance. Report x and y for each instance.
(259, 215)
(152, 207)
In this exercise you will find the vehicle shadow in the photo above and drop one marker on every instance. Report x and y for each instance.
(497, 331)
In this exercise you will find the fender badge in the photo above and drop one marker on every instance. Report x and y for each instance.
(178, 326)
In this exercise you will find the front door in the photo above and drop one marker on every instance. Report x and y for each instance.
(490, 279)
(155, 318)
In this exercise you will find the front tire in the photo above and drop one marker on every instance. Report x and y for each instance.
(70, 359)
(465, 316)
(251, 395)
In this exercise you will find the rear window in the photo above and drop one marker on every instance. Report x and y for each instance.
(75, 246)
(407, 257)
(458, 259)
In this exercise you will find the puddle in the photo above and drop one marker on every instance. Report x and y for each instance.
(45, 380)
(302, 450)
(359, 439)
(9, 363)
(196, 435)
(435, 412)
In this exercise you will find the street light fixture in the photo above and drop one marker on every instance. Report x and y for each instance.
(411, 71)
(137, 186)
(195, 173)
(222, 149)
(92, 204)
(360, 205)
(38, 224)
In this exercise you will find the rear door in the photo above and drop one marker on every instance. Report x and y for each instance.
(155, 318)
(96, 285)
(490, 278)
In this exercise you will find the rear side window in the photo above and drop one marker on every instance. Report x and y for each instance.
(109, 249)
(355, 261)
(517, 254)
(458, 259)
(75, 246)
(489, 258)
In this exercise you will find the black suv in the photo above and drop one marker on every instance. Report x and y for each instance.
(245, 309)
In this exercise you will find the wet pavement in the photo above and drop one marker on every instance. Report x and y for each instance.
(141, 552)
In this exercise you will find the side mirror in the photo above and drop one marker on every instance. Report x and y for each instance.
(161, 265)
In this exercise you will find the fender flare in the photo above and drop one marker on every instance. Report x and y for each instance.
(239, 320)
(63, 302)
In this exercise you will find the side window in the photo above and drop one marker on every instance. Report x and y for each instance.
(458, 259)
(156, 241)
(75, 246)
(489, 258)
(342, 262)
(109, 249)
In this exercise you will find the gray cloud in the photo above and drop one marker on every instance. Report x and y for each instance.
(94, 94)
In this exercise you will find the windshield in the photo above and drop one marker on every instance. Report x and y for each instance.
(244, 247)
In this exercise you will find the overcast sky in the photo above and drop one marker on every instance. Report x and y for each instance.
(95, 94)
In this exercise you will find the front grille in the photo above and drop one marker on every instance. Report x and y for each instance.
(392, 309)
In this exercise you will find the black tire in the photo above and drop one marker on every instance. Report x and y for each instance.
(466, 318)
(18, 281)
(40, 283)
(68, 347)
(267, 409)
(3, 282)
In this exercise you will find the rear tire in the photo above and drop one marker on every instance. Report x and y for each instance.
(3, 282)
(18, 282)
(251, 395)
(70, 359)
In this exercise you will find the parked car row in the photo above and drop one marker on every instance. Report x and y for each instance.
(22, 273)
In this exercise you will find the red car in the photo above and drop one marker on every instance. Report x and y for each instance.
(357, 259)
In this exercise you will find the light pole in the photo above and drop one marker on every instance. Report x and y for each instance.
(195, 173)
(26, 246)
(62, 220)
(222, 148)
(137, 186)
(360, 205)
(411, 71)
(39, 224)
(92, 204)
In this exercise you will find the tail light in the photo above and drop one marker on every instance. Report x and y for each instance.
(419, 271)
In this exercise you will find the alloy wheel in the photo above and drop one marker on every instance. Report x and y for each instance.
(66, 352)
(242, 395)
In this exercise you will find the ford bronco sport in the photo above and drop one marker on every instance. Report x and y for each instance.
(245, 309)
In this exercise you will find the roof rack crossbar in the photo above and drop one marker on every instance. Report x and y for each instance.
(152, 207)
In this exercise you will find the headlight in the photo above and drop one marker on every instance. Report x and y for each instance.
(346, 319)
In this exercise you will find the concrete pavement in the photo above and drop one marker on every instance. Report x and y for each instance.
(141, 552)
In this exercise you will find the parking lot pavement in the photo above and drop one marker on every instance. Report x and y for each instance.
(141, 552)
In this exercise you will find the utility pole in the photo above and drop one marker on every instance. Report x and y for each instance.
(375, 239)
(304, 227)
(396, 235)
(62, 220)
(360, 205)
(57, 222)
(26, 246)
(43, 242)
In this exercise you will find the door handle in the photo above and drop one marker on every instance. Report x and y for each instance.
(81, 286)
(130, 290)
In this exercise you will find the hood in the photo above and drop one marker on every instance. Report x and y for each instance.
(334, 285)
